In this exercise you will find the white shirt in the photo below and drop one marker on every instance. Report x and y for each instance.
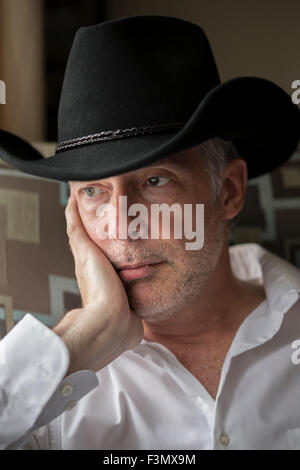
(146, 399)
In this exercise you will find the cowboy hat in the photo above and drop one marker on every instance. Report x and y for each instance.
(137, 89)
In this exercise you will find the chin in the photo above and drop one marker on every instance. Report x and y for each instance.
(141, 292)
(141, 289)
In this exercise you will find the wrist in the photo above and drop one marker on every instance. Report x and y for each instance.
(63, 330)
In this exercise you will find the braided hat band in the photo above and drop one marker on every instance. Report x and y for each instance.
(118, 134)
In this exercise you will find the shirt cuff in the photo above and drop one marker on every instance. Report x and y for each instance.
(33, 390)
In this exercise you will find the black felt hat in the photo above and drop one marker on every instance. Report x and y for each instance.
(140, 88)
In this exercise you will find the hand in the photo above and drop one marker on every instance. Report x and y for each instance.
(104, 327)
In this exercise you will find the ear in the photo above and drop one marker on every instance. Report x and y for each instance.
(233, 192)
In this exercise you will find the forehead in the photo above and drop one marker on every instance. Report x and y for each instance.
(183, 162)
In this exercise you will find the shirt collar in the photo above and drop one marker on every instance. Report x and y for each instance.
(281, 280)
(253, 263)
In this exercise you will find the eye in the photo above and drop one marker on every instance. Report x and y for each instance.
(157, 180)
(91, 191)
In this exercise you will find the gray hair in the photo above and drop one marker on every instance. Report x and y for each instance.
(216, 154)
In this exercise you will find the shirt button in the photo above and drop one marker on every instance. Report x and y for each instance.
(66, 390)
(224, 439)
(70, 404)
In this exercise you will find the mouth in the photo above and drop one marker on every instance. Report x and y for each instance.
(137, 271)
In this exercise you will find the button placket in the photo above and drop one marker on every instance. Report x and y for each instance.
(70, 404)
(224, 439)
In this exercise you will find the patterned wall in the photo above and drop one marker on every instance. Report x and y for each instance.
(271, 213)
(36, 263)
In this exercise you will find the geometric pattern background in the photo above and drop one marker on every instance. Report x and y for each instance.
(36, 263)
(271, 213)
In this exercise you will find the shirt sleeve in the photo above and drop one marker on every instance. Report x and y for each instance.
(33, 386)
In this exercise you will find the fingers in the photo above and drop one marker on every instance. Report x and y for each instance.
(75, 229)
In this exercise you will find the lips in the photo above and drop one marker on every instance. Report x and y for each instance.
(136, 265)
(137, 271)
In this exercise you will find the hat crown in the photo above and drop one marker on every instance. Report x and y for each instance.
(134, 71)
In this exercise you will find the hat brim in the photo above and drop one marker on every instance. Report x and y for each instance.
(257, 115)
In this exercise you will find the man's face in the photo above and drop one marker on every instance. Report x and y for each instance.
(181, 275)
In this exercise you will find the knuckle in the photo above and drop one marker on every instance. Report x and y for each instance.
(71, 229)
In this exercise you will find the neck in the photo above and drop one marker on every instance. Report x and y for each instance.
(226, 302)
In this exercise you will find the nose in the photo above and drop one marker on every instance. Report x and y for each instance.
(120, 215)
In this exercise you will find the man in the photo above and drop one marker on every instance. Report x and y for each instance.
(172, 348)
(177, 298)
